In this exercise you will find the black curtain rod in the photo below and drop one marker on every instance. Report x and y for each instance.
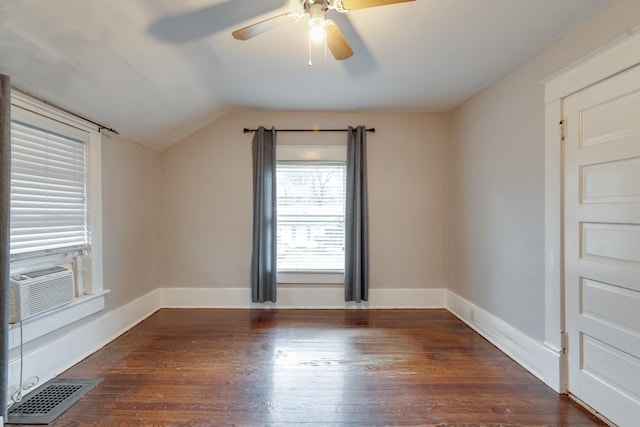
(247, 130)
(51, 104)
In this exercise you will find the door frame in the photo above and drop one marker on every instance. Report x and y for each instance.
(613, 58)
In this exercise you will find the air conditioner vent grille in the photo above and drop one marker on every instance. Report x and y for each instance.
(46, 295)
(34, 292)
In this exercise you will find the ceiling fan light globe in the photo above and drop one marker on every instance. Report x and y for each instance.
(316, 34)
(316, 22)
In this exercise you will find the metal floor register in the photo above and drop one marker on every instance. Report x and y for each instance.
(45, 404)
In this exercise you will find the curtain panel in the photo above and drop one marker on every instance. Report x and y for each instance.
(264, 256)
(356, 277)
(5, 213)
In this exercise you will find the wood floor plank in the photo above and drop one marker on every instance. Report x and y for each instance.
(202, 367)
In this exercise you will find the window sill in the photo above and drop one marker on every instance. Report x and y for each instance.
(53, 320)
(311, 277)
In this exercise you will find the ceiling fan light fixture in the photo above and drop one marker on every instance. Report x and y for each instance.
(317, 21)
(321, 29)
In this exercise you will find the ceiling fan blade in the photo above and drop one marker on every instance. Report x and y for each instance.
(336, 42)
(366, 63)
(363, 4)
(263, 26)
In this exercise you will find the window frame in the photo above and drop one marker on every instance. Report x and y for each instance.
(301, 153)
(88, 269)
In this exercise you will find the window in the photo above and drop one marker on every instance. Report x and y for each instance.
(48, 191)
(311, 198)
(55, 194)
(311, 210)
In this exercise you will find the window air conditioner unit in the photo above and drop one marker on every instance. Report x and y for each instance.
(34, 292)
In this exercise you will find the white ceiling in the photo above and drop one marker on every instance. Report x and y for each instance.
(158, 70)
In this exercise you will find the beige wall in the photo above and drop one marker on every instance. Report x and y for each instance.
(182, 217)
(496, 227)
(207, 207)
(131, 195)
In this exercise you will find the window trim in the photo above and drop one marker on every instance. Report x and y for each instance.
(298, 153)
(311, 277)
(336, 153)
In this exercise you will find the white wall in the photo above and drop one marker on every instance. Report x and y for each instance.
(497, 172)
(207, 207)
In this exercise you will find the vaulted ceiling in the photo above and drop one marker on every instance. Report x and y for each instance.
(158, 70)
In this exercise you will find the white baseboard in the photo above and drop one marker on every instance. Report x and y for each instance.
(536, 357)
(47, 357)
(541, 360)
(300, 297)
(60, 353)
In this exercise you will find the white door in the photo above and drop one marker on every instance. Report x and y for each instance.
(602, 246)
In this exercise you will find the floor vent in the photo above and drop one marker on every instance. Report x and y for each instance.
(45, 404)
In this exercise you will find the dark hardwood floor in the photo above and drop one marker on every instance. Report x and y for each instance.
(318, 367)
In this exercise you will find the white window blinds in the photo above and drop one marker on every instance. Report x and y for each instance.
(311, 204)
(48, 190)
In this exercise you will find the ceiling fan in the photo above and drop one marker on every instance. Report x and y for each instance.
(320, 27)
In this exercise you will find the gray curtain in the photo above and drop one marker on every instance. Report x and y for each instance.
(264, 257)
(5, 196)
(356, 270)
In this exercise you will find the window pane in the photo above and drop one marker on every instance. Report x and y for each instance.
(48, 190)
(311, 202)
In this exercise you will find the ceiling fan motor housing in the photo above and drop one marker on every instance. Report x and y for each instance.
(316, 11)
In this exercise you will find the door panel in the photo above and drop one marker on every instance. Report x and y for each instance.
(611, 366)
(602, 245)
(616, 242)
(614, 119)
(611, 304)
(611, 182)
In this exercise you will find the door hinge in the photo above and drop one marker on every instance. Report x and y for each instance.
(563, 133)
(564, 342)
